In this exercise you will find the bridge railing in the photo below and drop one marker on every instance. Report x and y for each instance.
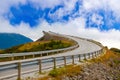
(44, 64)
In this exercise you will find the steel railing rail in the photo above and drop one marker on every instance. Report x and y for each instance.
(38, 52)
(50, 63)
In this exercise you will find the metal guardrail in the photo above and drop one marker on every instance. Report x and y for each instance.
(38, 52)
(47, 63)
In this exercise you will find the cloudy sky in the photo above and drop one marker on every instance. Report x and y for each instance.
(93, 19)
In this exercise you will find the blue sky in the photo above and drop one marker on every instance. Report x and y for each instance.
(102, 17)
(28, 13)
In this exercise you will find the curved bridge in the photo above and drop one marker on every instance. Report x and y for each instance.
(84, 49)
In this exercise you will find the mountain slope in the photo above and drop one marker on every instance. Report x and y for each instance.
(8, 40)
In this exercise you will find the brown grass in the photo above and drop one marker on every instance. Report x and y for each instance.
(31, 45)
(56, 74)
(108, 55)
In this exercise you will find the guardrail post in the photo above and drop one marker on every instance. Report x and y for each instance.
(40, 66)
(12, 58)
(47, 54)
(54, 60)
(19, 71)
(79, 57)
(64, 60)
(23, 57)
(84, 56)
(33, 55)
(102, 51)
(89, 56)
(99, 53)
(96, 53)
(92, 55)
(41, 55)
(73, 59)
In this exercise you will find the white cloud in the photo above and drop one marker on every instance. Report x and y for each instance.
(68, 7)
(106, 5)
(46, 3)
(94, 4)
(75, 26)
(115, 7)
(5, 4)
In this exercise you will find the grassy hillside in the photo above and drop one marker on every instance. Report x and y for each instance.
(47, 42)
(39, 46)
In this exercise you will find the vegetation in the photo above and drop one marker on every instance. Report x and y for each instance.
(115, 50)
(39, 46)
(109, 56)
(69, 70)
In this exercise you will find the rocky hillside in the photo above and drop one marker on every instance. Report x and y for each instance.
(47, 36)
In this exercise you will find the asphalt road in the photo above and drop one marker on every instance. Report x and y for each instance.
(84, 47)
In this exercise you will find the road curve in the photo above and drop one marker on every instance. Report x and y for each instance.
(85, 46)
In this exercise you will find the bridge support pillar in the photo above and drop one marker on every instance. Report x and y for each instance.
(19, 71)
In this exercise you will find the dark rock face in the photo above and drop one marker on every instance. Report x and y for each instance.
(8, 40)
(96, 71)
